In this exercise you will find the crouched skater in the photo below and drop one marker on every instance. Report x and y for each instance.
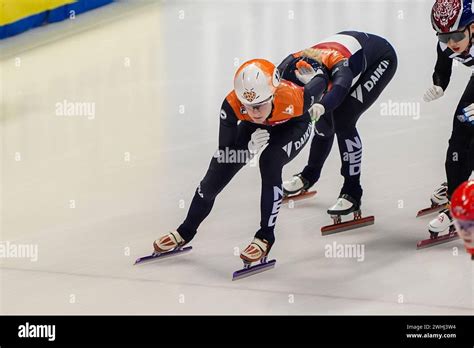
(263, 114)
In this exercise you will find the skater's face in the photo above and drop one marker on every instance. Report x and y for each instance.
(259, 112)
(458, 41)
(465, 230)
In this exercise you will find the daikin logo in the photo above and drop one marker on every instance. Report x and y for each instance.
(37, 331)
(298, 143)
(370, 84)
(287, 148)
(358, 94)
(375, 77)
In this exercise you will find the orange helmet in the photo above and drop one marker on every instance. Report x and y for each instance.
(256, 81)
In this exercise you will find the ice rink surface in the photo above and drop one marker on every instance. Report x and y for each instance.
(93, 191)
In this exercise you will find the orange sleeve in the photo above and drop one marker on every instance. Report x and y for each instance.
(288, 102)
(236, 105)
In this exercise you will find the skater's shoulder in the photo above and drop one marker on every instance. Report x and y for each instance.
(288, 101)
(232, 99)
(289, 93)
(236, 106)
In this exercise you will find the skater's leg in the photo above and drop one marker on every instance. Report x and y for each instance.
(458, 166)
(365, 93)
(319, 152)
(350, 150)
(286, 141)
(218, 175)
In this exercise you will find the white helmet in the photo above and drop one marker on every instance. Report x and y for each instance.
(256, 81)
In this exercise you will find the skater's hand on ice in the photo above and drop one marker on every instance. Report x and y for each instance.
(316, 111)
(258, 139)
(468, 114)
(433, 93)
(305, 72)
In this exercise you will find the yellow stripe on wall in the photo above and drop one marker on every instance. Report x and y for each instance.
(14, 10)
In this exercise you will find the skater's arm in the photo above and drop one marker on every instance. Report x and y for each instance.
(314, 90)
(284, 64)
(341, 77)
(227, 126)
(443, 69)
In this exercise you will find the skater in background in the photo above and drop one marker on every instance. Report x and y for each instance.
(453, 21)
(358, 67)
(261, 110)
(462, 210)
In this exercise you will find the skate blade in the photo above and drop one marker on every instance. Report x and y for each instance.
(247, 272)
(427, 211)
(161, 256)
(298, 197)
(348, 225)
(440, 240)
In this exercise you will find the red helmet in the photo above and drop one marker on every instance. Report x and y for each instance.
(462, 201)
(462, 210)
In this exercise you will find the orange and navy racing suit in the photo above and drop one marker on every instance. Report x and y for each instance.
(358, 66)
(289, 126)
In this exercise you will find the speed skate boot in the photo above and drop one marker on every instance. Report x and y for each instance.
(256, 251)
(444, 222)
(346, 205)
(439, 200)
(296, 188)
(170, 244)
(295, 185)
(440, 195)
